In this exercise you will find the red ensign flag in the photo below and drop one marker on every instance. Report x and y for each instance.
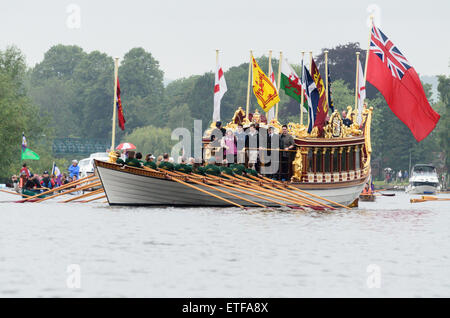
(119, 108)
(390, 72)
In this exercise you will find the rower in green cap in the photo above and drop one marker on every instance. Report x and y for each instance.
(183, 167)
(166, 164)
(211, 168)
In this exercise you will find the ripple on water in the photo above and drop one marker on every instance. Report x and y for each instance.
(199, 252)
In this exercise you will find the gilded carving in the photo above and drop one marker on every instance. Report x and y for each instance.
(297, 166)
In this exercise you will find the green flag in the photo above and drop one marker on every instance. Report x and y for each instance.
(30, 155)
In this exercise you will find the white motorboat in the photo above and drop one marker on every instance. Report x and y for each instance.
(423, 180)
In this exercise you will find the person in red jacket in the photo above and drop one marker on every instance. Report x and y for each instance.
(25, 170)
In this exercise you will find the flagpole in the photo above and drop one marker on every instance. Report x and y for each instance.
(217, 64)
(116, 74)
(357, 81)
(310, 66)
(248, 85)
(368, 49)
(326, 77)
(270, 72)
(279, 82)
(302, 98)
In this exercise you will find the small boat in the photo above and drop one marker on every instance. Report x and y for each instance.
(423, 180)
(367, 197)
(27, 193)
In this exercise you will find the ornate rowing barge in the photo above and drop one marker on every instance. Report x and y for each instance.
(335, 167)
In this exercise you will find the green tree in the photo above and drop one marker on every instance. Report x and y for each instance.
(142, 88)
(94, 90)
(18, 115)
(444, 122)
(51, 86)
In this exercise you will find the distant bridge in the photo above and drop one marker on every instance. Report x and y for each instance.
(62, 146)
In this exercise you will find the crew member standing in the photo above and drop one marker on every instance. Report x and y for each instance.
(286, 144)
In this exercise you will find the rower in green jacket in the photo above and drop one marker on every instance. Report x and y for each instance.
(226, 170)
(166, 164)
(251, 172)
(149, 161)
(183, 167)
(237, 169)
(132, 161)
(198, 170)
(139, 158)
(211, 168)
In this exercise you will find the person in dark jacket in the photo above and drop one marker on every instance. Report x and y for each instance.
(132, 161)
(286, 144)
(46, 182)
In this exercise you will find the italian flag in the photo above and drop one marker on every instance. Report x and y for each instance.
(292, 84)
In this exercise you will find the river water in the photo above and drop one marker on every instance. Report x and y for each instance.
(390, 248)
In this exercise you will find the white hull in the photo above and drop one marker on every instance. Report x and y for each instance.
(123, 187)
(422, 189)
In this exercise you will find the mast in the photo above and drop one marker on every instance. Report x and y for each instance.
(116, 74)
(302, 98)
(368, 49)
(310, 66)
(270, 73)
(279, 82)
(326, 77)
(357, 82)
(248, 85)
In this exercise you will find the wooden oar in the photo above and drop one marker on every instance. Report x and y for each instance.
(307, 200)
(84, 195)
(417, 200)
(226, 192)
(68, 185)
(206, 192)
(11, 192)
(310, 194)
(265, 192)
(231, 186)
(246, 192)
(266, 188)
(424, 197)
(70, 191)
(97, 198)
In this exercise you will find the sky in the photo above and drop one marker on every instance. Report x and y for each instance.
(183, 35)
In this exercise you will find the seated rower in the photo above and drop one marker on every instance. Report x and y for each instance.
(149, 161)
(197, 168)
(132, 161)
(237, 169)
(183, 167)
(139, 158)
(119, 160)
(251, 172)
(166, 164)
(367, 190)
(46, 182)
(224, 169)
(211, 168)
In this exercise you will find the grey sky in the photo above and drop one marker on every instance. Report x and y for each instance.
(183, 35)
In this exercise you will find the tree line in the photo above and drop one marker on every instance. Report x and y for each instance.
(70, 94)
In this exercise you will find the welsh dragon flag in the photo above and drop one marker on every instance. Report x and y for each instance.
(292, 84)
